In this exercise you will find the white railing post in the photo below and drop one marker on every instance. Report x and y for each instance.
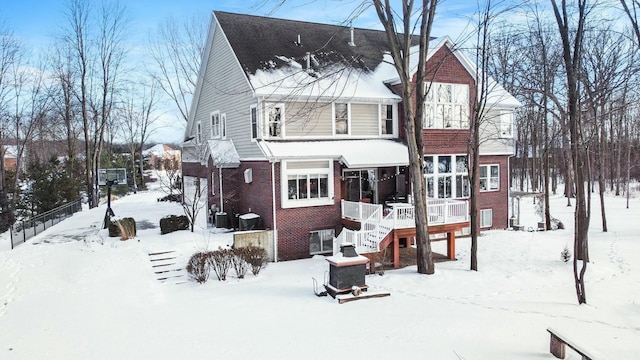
(446, 211)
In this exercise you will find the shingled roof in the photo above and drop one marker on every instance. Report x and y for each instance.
(266, 43)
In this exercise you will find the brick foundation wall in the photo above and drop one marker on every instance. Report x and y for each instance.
(295, 224)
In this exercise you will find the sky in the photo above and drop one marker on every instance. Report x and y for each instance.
(72, 293)
(37, 22)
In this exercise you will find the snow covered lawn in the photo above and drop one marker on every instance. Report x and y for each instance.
(64, 295)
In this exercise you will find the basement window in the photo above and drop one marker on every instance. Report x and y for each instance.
(321, 241)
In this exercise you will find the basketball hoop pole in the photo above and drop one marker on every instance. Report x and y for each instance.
(109, 213)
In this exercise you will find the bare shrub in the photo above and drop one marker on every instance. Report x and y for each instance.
(240, 265)
(198, 267)
(256, 257)
(221, 260)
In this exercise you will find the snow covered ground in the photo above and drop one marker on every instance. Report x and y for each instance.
(74, 293)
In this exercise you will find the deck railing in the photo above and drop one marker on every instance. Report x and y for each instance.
(358, 210)
(439, 211)
(374, 228)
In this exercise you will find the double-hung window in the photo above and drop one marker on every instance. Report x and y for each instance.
(215, 125)
(341, 118)
(275, 118)
(489, 178)
(446, 106)
(253, 114)
(386, 120)
(506, 125)
(199, 132)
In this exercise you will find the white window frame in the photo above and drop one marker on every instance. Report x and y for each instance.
(223, 125)
(254, 123)
(455, 111)
(309, 172)
(488, 177)
(382, 120)
(279, 125)
(506, 125)
(486, 218)
(322, 234)
(333, 118)
(199, 132)
(453, 174)
(215, 125)
(213, 182)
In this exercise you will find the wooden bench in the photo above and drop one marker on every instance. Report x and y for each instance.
(558, 342)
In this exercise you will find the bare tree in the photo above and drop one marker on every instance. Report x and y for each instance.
(194, 197)
(176, 51)
(97, 53)
(572, 38)
(410, 20)
(10, 57)
(137, 119)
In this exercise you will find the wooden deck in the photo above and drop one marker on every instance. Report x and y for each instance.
(406, 236)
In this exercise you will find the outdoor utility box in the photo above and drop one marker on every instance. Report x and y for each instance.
(222, 220)
(249, 221)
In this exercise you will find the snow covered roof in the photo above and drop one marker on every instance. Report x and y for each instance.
(223, 153)
(160, 150)
(352, 153)
(286, 57)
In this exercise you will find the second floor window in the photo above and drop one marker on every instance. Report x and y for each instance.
(275, 116)
(341, 118)
(199, 132)
(254, 121)
(215, 125)
(447, 106)
(386, 120)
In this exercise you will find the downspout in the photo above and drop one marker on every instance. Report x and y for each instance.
(221, 197)
(273, 208)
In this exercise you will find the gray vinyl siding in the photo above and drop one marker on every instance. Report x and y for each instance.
(490, 141)
(226, 89)
(364, 120)
(308, 119)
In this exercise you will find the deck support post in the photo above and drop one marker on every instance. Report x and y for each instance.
(451, 245)
(396, 252)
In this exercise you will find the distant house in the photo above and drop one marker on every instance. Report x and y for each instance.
(301, 122)
(11, 157)
(157, 154)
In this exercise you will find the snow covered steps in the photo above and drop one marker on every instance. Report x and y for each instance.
(166, 268)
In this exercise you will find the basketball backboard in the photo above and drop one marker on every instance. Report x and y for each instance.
(117, 175)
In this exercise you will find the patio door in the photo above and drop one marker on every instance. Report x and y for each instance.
(360, 185)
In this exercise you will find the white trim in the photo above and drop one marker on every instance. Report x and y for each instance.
(282, 122)
(215, 134)
(488, 177)
(252, 108)
(287, 203)
(394, 120)
(333, 119)
(483, 217)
